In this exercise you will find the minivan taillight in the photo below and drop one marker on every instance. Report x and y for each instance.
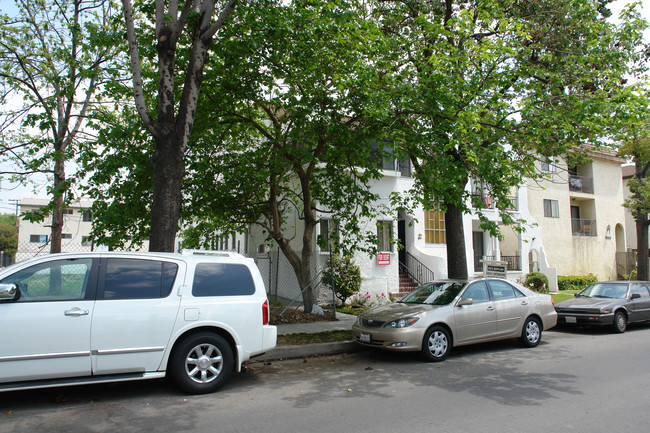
(266, 313)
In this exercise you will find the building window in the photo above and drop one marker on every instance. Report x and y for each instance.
(66, 235)
(325, 236)
(384, 235)
(434, 226)
(548, 164)
(87, 216)
(67, 212)
(39, 239)
(551, 209)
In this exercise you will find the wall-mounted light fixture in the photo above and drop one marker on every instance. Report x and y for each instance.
(608, 233)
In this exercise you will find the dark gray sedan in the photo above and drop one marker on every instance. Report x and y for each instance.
(612, 303)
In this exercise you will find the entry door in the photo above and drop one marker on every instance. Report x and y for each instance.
(575, 219)
(401, 235)
(46, 333)
(477, 241)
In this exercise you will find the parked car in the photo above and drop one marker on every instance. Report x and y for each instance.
(444, 314)
(610, 303)
(101, 317)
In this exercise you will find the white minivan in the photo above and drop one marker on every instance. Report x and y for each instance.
(79, 318)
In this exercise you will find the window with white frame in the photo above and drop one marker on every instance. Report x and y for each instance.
(551, 209)
(384, 235)
(549, 165)
(327, 235)
(434, 226)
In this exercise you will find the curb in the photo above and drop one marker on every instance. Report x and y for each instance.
(300, 351)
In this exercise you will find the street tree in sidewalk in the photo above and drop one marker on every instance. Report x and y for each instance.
(54, 56)
(183, 34)
(635, 144)
(483, 89)
(289, 132)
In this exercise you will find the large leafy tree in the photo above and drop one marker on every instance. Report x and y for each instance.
(291, 111)
(481, 89)
(635, 144)
(189, 28)
(54, 57)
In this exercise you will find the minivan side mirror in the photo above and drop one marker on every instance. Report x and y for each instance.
(9, 292)
(635, 296)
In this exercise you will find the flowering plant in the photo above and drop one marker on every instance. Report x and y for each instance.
(366, 299)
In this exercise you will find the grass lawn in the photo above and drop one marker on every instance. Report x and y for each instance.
(563, 295)
(319, 337)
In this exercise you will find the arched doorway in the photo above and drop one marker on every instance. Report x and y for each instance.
(533, 261)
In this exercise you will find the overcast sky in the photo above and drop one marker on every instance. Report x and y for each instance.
(9, 193)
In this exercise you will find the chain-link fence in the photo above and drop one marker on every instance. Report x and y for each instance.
(282, 284)
(5, 259)
(278, 274)
(27, 250)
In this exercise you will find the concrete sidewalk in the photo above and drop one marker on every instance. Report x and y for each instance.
(343, 322)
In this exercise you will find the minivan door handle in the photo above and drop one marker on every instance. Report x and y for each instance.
(76, 312)
(490, 308)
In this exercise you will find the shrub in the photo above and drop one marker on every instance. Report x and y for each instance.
(536, 281)
(575, 282)
(347, 277)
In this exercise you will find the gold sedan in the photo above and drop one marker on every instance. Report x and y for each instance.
(440, 315)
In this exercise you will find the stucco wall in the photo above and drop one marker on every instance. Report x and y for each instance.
(574, 254)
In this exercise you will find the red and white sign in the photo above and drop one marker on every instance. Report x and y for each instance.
(383, 259)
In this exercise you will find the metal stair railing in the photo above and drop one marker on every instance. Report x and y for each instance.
(416, 270)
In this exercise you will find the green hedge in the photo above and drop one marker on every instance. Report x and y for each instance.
(575, 282)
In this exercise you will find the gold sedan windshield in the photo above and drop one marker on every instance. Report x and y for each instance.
(438, 293)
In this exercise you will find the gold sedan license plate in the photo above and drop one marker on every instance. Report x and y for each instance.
(364, 338)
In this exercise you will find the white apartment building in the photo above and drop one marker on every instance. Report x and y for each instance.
(574, 225)
(34, 238)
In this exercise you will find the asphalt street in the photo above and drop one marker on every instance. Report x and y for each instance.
(578, 381)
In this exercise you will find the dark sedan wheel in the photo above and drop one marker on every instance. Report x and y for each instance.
(531, 334)
(620, 322)
(436, 344)
(201, 363)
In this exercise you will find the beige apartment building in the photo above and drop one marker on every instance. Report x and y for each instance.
(580, 216)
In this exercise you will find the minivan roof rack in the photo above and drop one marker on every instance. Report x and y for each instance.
(212, 253)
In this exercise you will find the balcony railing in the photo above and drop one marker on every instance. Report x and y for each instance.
(514, 203)
(583, 227)
(514, 262)
(486, 199)
(581, 184)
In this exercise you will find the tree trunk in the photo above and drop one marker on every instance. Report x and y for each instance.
(169, 170)
(641, 229)
(57, 211)
(642, 246)
(456, 255)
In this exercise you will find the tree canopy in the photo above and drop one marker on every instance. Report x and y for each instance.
(482, 89)
(54, 56)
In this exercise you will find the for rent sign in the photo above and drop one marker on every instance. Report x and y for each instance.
(383, 259)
